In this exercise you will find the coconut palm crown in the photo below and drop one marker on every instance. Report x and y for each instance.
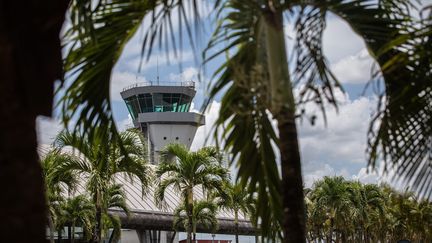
(203, 213)
(100, 161)
(56, 179)
(237, 199)
(186, 171)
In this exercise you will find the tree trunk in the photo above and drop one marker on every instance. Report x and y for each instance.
(330, 236)
(69, 233)
(236, 226)
(97, 236)
(59, 237)
(283, 109)
(51, 228)
(73, 233)
(173, 237)
(189, 229)
(30, 61)
(189, 208)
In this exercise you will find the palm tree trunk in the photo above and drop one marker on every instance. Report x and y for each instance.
(283, 109)
(189, 205)
(330, 236)
(51, 228)
(73, 233)
(98, 227)
(69, 233)
(189, 229)
(59, 233)
(236, 226)
(173, 237)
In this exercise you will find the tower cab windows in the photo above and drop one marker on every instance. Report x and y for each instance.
(158, 102)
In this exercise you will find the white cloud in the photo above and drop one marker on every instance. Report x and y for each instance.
(125, 123)
(121, 80)
(366, 176)
(321, 170)
(188, 74)
(345, 50)
(339, 40)
(203, 135)
(47, 129)
(354, 69)
(344, 137)
(341, 145)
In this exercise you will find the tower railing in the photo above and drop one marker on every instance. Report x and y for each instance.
(190, 84)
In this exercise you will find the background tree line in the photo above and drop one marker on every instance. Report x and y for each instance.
(339, 210)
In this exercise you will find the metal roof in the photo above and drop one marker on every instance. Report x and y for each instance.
(144, 214)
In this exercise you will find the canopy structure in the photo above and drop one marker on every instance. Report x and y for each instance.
(145, 215)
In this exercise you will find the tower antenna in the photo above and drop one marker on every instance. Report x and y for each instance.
(157, 70)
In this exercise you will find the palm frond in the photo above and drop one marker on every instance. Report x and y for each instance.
(92, 51)
(244, 119)
(163, 31)
(312, 73)
(175, 149)
(162, 186)
(115, 223)
(400, 133)
(116, 198)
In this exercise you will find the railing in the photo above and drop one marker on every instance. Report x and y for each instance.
(163, 83)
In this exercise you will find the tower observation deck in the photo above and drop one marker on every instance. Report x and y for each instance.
(162, 112)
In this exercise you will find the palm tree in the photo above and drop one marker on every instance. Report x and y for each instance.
(115, 198)
(78, 211)
(56, 179)
(256, 78)
(353, 212)
(374, 206)
(188, 172)
(332, 193)
(203, 213)
(100, 163)
(234, 197)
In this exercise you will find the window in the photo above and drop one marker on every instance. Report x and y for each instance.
(145, 102)
(133, 106)
(158, 102)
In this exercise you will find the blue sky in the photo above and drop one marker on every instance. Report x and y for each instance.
(335, 149)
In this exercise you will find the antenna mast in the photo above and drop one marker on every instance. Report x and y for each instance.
(157, 69)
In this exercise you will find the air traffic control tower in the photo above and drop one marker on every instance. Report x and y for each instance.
(161, 112)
